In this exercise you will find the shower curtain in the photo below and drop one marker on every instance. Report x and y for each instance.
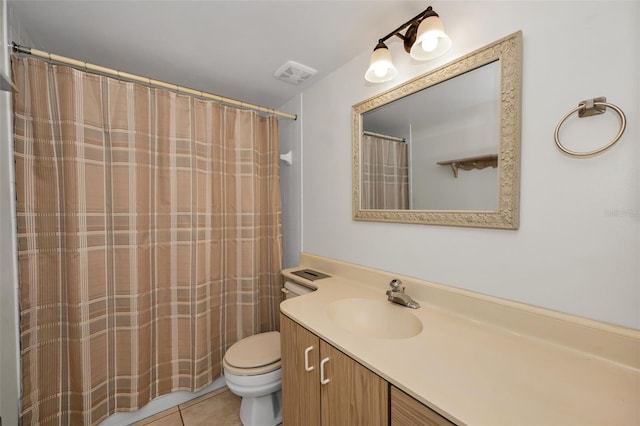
(149, 239)
(385, 173)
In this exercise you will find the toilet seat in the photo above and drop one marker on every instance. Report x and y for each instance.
(253, 355)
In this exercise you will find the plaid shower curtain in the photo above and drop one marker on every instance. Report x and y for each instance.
(149, 239)
(385, 173)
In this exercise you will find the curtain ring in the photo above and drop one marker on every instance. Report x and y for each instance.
(581, 106)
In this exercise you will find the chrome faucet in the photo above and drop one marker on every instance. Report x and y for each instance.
(397, 295)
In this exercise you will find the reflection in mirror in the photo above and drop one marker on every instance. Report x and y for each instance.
(444, 148)
(455, 119)
(385, 172)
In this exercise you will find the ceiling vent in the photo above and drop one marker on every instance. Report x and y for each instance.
(294, 73)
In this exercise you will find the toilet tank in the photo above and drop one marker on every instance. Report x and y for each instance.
(292, 289)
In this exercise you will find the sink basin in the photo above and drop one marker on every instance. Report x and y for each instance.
(374, 318)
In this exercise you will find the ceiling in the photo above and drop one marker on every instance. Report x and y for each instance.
(230, 48)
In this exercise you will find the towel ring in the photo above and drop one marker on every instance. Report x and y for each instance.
(586, 109)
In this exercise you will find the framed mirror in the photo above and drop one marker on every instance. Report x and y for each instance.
(444, 148)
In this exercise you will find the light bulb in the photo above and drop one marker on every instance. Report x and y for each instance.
(380, 69)
(430, 43)
(431, 40)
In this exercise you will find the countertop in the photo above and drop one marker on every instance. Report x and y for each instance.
(485, 366)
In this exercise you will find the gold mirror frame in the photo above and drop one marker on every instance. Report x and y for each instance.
(508, 51)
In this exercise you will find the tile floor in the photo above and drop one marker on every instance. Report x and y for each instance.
(217, 408)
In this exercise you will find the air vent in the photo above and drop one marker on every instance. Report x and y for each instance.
(294, 73)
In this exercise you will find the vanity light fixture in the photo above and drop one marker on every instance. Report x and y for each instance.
(424, 39)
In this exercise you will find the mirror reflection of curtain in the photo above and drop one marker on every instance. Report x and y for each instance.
(385, 173)
(149, 240)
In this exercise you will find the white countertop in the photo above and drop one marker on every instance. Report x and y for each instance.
(474, 372)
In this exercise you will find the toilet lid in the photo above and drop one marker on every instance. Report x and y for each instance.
(254, 351)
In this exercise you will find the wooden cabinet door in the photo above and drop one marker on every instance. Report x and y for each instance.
(407, 411)
(354, 395)
(300, 388)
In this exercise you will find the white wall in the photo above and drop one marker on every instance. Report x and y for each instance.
(577, 249)
(9, 355)
(291, 184)
(474, 131)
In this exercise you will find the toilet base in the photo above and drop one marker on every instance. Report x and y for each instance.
(261, 397)
(262, 410)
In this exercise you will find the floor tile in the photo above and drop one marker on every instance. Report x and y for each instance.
(203, 397)
(221, 409)
(166, 418)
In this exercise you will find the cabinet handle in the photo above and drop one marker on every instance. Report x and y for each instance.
(306, 359)
(323, 381)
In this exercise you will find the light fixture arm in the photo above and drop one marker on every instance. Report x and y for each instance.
(412, 23)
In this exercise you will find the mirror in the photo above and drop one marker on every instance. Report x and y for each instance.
(444, 148)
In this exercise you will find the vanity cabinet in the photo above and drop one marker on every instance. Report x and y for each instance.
(323, 386)
(300, 383)
(407, 411)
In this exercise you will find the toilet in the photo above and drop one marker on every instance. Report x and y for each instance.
(252, 371)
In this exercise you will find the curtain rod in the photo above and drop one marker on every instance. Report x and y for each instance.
(146, 80)
(380, 135)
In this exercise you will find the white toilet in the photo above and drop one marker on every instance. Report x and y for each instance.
(252, 371)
